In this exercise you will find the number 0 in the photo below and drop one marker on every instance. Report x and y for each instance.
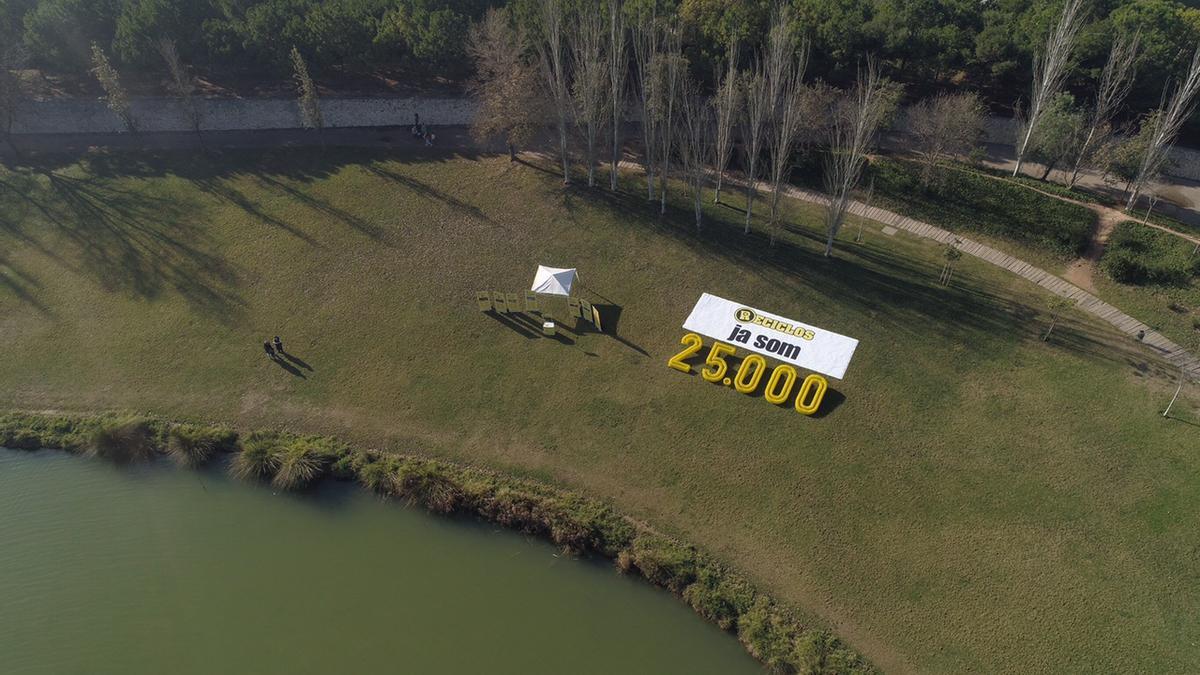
(745, 385)
(812, 390)
(776, 394)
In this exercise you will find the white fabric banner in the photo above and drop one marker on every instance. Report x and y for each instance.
(772, 335)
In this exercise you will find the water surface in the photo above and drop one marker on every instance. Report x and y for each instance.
(150, 569)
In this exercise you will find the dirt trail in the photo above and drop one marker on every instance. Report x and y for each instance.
(1082, 271)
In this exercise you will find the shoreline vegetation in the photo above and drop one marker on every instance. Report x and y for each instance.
(771, 632)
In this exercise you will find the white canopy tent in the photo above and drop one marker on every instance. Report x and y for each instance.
(553, 280)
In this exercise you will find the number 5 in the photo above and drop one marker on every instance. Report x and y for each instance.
(716, 359)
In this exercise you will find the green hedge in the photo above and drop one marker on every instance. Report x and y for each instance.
(770, 632)
(964, 201)
(1137, 254)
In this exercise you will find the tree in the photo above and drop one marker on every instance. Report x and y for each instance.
(785, 64)
(182, 85)
(590, 86)
(951, 254)
(695, 143)
(945, 126)
(551, 47)
(646, 48)
(672, 66)
(727, 104)
(1116, 80)
(306, 94)
(1057, 305)
(618, 70)
(1059, 136)
(114, 92)
(1167, 121)
(1049, 71)
(855, 121)
(505, 83)
(858, 236)
(12, 90)
(756, 110)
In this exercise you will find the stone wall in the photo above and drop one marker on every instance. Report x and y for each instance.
(165, 114)
(82, 116)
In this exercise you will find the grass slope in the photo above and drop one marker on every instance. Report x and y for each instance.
(973, 499)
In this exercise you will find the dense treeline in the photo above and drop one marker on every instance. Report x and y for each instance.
(925, 43)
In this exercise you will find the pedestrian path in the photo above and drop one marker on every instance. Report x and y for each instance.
(1085, 301)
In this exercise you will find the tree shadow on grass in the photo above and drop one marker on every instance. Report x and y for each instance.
(429, 191)
(135, 243)
(221, 190)
(881, 283)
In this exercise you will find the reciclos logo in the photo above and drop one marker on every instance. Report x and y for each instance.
(747, 315)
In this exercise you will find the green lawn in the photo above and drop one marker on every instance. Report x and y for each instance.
(972, 498)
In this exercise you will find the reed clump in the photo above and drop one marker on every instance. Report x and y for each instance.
(193, 446)
(124, 440)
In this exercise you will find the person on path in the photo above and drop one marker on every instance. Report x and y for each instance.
(416, 119)
(428, 140)
(269, 349)
(278, 344)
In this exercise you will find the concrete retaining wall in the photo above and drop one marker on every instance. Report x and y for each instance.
(79, 116)
(165, 114)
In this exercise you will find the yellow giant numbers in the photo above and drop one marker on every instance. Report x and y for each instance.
(716, 361)
(755, 365)
(750, 374)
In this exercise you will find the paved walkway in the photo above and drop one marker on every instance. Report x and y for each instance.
(1086, 301)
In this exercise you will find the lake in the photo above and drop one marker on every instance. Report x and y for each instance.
(151, 569)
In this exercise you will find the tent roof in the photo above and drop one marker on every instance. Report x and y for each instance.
(553, 280)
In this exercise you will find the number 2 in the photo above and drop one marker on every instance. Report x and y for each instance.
(694, 344)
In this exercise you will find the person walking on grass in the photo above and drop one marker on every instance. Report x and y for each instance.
(269, 349)
(278, 344)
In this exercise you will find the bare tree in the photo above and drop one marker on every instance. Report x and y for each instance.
(590, 86)
(943, 126)
(551, 47)
(672, 67)
(306, 94)
(114, 92)
(1050, 70)
(858, 236)
(695, 143)
(183, 85)
(646, 48)
(786, 63)
(1166, 122)
(951, 254)
(1116, 80)
(756, 110)
(618, 70)
(727, 104)
(12, 91)
(855, 121)
(1057, 305)
(505, 83)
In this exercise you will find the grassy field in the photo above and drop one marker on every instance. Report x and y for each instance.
(971, 499)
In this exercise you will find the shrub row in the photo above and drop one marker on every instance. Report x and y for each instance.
(770, 632)
(1137, 254)
(965, 201)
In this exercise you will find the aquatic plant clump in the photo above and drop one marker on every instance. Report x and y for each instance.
(123, 441)
(193, 446)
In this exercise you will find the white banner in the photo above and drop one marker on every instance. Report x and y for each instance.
(772, 335)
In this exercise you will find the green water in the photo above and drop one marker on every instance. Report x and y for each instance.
(155, 570)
